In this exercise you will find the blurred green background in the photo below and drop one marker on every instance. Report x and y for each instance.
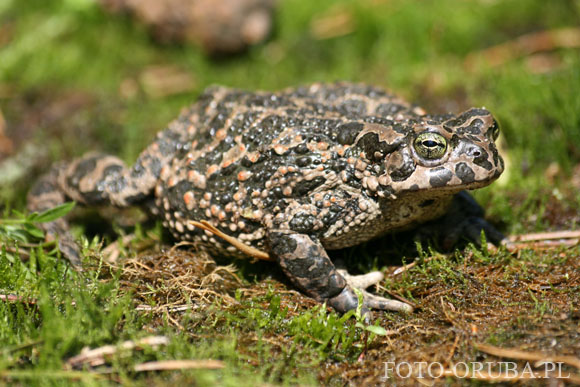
(74, 78)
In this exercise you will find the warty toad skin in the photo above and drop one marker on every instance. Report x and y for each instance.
(293, 174)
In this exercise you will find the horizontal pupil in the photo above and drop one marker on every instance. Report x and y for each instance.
(430, 143)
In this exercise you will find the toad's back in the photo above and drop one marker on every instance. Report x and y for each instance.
(247, 157)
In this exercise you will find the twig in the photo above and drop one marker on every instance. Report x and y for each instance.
(543, 245)
(179, 364)
(529, 356)
(402, 269)
(526, 45)
(543, 240)
(13, 250)
(541, 236)
(450, 318)
(453, 348)
(177, 308)
(337, 22)
(252, 252)
(174, 321)
(16, 298)
(95, 357)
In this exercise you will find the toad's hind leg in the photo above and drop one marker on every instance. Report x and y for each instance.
(97, 179)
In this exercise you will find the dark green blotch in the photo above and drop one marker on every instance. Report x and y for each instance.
(482, 160)
(282, 244)
(404, 171)
(302, 222)
(440, 177)
(307, 186)
(465, 173)
(347, 132)
(313, 268)
(84, 168)
(370, 144)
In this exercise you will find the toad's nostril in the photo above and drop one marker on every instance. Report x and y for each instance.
(473, 151)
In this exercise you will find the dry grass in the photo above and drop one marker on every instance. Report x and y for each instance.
(529, 305)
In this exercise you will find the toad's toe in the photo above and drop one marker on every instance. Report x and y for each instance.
(370, 301)
(362, 281)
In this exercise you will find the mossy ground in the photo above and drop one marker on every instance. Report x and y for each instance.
(74, 79)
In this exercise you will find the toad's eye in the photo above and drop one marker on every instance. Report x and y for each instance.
(430, 146)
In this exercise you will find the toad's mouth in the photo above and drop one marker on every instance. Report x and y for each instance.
(441, 181)
(430, 194)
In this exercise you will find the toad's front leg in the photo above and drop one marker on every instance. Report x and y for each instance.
(306, 263)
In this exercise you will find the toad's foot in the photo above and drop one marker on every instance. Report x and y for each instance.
(463, 221)
(363, 281)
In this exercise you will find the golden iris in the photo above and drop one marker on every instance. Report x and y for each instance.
(430, 146)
